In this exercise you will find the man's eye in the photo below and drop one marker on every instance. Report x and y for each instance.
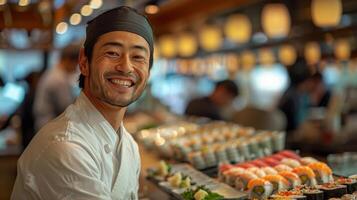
(112, 54)
(139, 58)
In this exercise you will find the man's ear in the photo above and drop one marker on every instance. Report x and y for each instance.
(83, 63)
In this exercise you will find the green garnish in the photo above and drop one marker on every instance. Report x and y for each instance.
(189, 194)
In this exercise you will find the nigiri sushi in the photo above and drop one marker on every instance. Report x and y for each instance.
(293, 178)
(306, 175)
(282, 167)
(322, 171)
(290, 162)
(259, 188)
(307, 160)
(242, 180)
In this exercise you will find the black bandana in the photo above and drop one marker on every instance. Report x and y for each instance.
(122, 18)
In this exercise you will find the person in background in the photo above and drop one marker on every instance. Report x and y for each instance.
(295, 100)
(55, 89)
(211, 106)
(26, 109)
(320, 95)
(86, 153)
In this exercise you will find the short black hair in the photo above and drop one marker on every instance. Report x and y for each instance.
(230, 86)
(298, 72)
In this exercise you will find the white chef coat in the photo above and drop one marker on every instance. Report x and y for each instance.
(79, 156)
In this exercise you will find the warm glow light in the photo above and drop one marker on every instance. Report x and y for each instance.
(210, 38)
(151, 9)
(238, 28)
(287, 55)
(3, 2)
(187, 44)
(86, 10)
(61, 28)
(312, 53)
(75, 19)
(24, 2)
(266, 56)
(276, 20)
(326, 13)
(248, 60)
(95, 4)
(167, 45)
(342, 49)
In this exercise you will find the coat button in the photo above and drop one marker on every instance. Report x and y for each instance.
(107, 148)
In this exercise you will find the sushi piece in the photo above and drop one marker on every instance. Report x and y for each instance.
(289, 154)
(307, 160)
(245, 165)
(259, 188)
(279, 182)
(242, 180)
(259, 163)
(259, 172)
(271, 161)
(278, 157)
(231, 175)
(350, 183)
(222, 168)
(290, 162)
(306, 175)
(282, 167)
(332, 190)
(291, 177)
(269, 170)
(322, 171)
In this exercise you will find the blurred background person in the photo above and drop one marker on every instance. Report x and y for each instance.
(55, 89)
(320, 94)
(213, 105)
(294, 102)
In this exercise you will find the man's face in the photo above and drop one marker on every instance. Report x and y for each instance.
(119, 69)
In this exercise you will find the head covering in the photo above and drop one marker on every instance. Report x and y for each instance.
(122, 18)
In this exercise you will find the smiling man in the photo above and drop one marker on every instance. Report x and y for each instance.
(86, 153)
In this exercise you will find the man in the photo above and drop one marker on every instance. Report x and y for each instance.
(86, 153)
(54, 92)
(211, 106)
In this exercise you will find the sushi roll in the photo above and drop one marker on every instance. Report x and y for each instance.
(269, 171)
(242, 180)
(306, 175)
(290, 162)
(259, 172)
(282, 167)
(350, 183)
(307, 160)
(322, 171)
(259, 188)
(221, 169)
(271, 161)
(230, 175)
(293, 178)
(332, 190)
(279, 182)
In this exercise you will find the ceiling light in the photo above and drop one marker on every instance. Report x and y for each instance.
(86, 10)
(61, 28)
(75, 19)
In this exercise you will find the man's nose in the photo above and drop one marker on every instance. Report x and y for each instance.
(124, 64)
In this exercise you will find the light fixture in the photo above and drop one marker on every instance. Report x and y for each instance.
(95, 4)
(24, 2)
(276, 20)
(287, 54)
(232, 63)
(86, 10)
(238, 28)
(75, 19)
(312, 53)
(342, 49)
(266, 56)
(210, 38)
(2, 2)
(61, 28)
(167, 46)
(326, 13)
(248, 60)
(187, 44)
(151, 9)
